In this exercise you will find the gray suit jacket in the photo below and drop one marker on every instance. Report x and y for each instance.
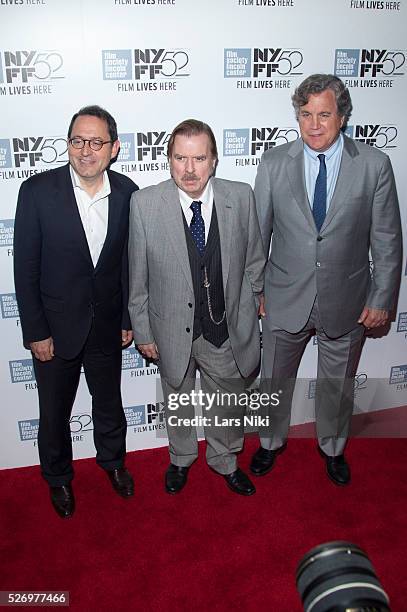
(161, 299)
(333, 263)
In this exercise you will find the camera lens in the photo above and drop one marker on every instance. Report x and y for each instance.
(339, 577)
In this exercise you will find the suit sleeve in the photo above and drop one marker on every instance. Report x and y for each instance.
(385, 241)
(255, 259)
(126, 323)
(138, 276)
(264, 204)
(27, 267)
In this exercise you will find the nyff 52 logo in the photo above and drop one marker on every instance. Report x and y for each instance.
(31, 66)
(368, 63)
(143, 145)
(144, 64)
(30, 151)
(256, 140)
(261, 63)
(379, 136)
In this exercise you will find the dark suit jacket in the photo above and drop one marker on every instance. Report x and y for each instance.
(58, 290)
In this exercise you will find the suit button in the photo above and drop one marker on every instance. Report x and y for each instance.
(202, 266)
(189, 304)
(319, 238)
(318, 264)
(187, 330)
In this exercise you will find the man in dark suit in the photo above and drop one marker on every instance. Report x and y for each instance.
(71, 280)
(326, 200)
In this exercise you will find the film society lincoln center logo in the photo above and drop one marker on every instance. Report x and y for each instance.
(7, 233)
(398, 377)
(262, 68)
(146, 418)
(144, 151)
(79, 424)
(145, 69)
(133, 361)
(248, 144)
(31, 71)
(402, 323)
(370, 67)
(8, 306)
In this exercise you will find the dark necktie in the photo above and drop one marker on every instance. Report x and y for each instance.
(197, 227)
(319, 205)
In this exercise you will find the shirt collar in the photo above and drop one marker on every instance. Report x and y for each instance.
(103, 192)
(206, 198)
(329, 152)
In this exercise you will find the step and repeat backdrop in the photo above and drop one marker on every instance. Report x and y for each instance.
(153, 63)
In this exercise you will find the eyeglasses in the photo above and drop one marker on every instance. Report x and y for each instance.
(94, 143)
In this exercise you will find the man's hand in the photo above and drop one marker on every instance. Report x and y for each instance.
(43, 350)
(261, 310)
(127, 336)
(150, 351)
(373, 317)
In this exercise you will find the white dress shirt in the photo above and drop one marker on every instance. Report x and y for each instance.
(206, 209)
(94, 213)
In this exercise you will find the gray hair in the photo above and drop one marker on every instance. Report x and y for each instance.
(317, 83)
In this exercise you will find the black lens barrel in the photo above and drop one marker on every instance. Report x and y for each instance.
(339, 577)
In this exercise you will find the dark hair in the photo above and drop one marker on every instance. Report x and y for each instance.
(317, 83)
(100, 113)
(192, 127)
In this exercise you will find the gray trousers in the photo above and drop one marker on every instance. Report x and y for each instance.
(218, 374)
(334, 394)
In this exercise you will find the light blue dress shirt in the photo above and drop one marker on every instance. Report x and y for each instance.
(333, 157)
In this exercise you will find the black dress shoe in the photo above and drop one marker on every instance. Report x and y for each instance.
(263, 460)
(337, 468)
(122, 481)
(63, 500)
(238, 482)
(175, 478)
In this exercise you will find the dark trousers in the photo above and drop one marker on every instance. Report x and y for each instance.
(57, 382)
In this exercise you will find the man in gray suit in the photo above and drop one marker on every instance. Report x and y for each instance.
(326, 200)
(196, 268)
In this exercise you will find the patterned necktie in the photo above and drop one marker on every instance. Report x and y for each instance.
(319, 205)
(197, 227)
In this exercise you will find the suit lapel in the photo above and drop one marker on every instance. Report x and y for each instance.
(344, 181)
(296, 178)
(224, 213)
(174, 227)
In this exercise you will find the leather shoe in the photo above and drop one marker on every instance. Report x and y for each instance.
(122, 481)
(238, 482)
(263, 460)
(175, 478)
(337, 468)
(63, 500)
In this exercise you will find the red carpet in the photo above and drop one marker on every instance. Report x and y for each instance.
(207, 548)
